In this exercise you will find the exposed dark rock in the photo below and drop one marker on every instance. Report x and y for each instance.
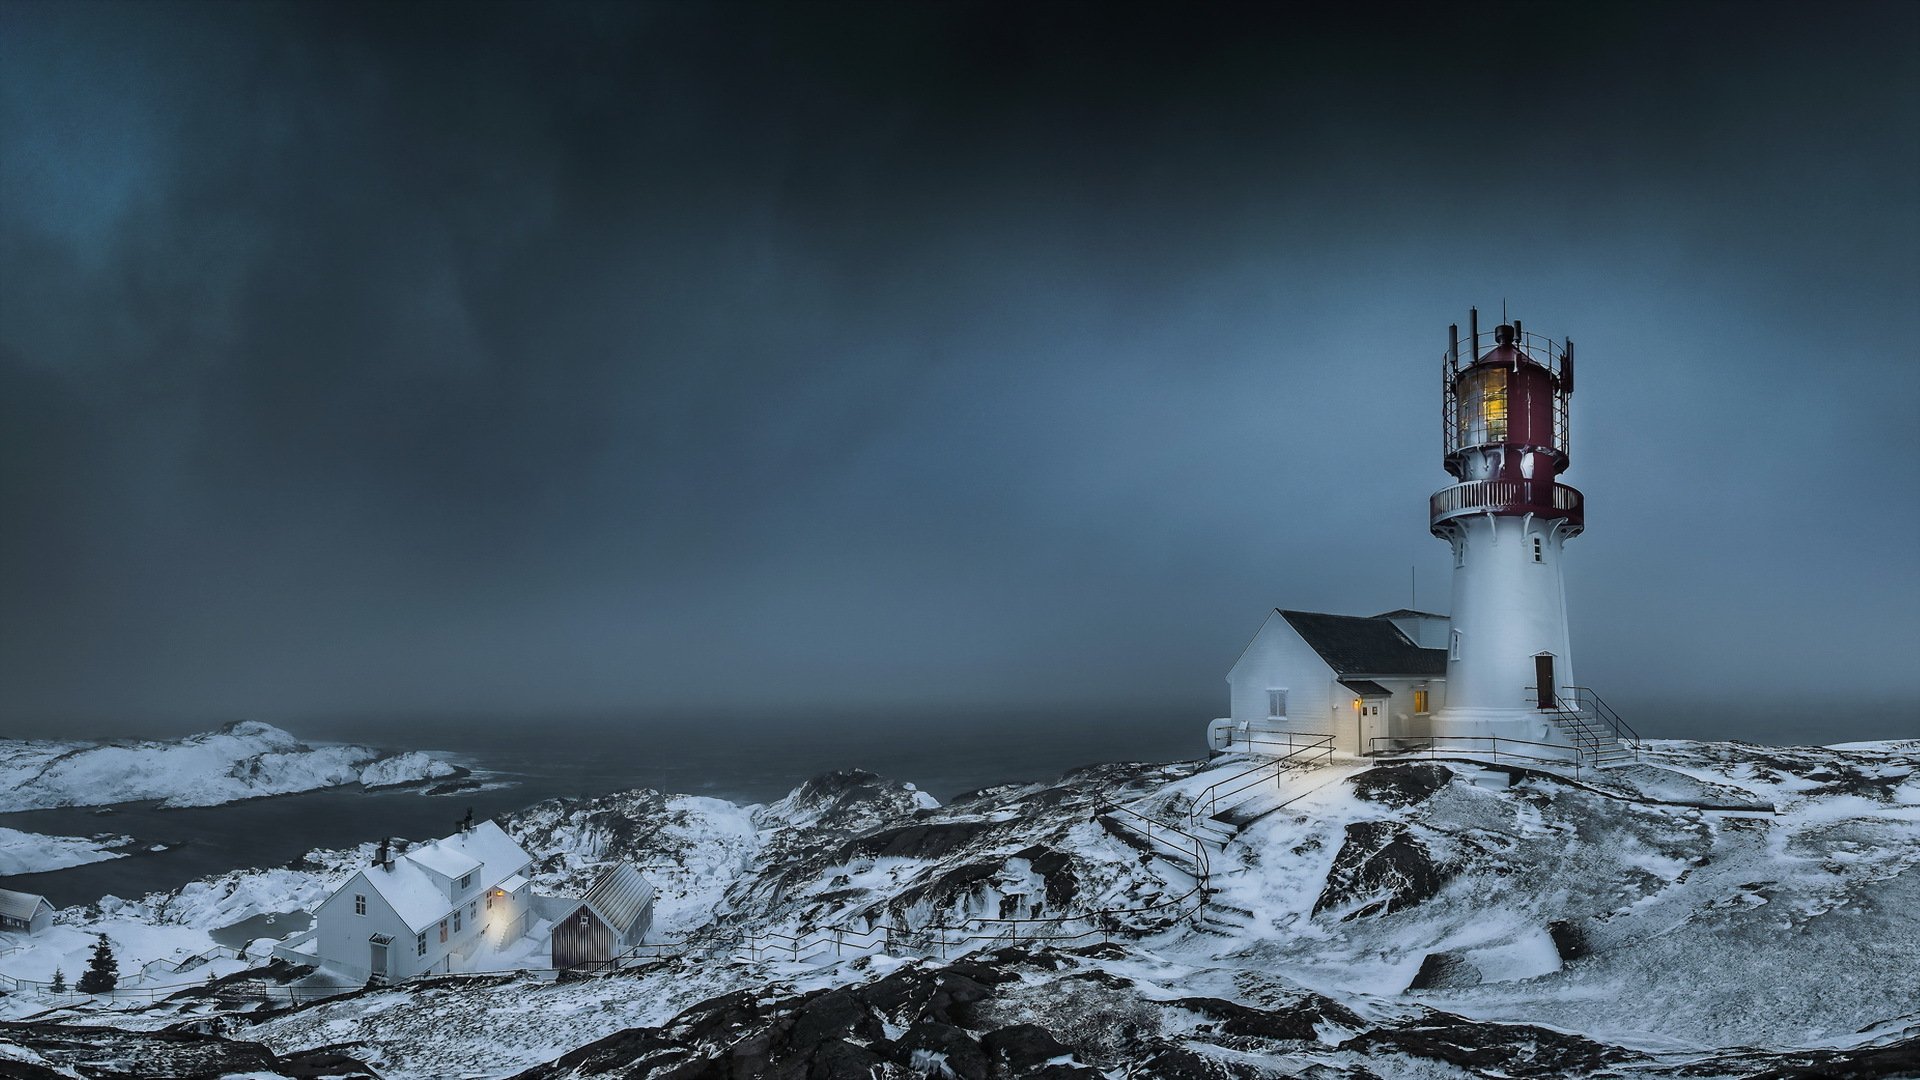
(1383, 868)
(1022, 1048)
(833, 1014)
(962, 1052)
(1569, 940)
(1445, 971)
(104, 1053)
(1172, 1061)
(1056, 870)
(1401, 785)
(1246, 1021)
(1514, 1050)
(917, 841)
(1900, 1061)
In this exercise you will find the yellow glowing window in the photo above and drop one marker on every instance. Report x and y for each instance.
(1483, 406)
(1419, 701)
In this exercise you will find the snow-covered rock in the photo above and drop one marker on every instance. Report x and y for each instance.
(31, 853)
(1719, 910)
(243, 760)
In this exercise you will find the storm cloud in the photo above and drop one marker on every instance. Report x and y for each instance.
(709, 359)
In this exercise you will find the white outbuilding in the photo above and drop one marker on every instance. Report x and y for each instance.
(24, 913)
(426, 909)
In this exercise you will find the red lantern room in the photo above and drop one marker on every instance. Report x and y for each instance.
(1504, 420)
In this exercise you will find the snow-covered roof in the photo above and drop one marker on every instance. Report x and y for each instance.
(419, 899)
(20, 905)
(513, 884)
(447, 862)
(619, 896)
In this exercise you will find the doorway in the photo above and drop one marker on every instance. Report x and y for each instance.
(1543, 681)
(377, 961)
(1373, 725)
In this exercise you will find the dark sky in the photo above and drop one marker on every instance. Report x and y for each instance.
(725, 358)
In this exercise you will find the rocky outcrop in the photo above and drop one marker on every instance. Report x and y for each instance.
(1380, 869)
(104, 1053)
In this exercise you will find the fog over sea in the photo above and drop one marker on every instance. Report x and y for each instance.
(743, 759)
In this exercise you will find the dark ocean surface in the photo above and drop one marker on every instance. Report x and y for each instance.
(744, 760)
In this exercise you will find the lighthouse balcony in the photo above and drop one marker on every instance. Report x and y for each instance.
(1509, 498)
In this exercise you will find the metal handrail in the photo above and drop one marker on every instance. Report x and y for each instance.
(971, 931)
(1605, 712)
(1474, 496)
(1433, 750)
(1297, 756)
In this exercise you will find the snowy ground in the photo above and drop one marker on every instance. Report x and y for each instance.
(244, 760)
(1704, 912)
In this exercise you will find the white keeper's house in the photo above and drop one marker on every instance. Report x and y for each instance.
(1369, 682)
(422, 910)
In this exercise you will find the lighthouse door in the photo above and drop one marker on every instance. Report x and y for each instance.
(1543, 681)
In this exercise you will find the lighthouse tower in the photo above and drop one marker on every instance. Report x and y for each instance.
(1504, 418)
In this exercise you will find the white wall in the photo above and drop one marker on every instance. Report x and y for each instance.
(1278, 658)
(341, 937)
(1506, 608)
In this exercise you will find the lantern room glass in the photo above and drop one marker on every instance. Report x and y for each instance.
(1482, 402)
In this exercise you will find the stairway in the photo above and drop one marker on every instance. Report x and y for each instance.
(1596, 729)
(1218, 919)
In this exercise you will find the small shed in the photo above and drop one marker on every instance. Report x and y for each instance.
(24, 913)
(613, 917)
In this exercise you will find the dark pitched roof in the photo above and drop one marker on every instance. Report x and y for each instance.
(1352, 645)
(1366, 688)
(1408, 613)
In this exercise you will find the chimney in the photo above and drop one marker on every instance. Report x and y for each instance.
(383, 858)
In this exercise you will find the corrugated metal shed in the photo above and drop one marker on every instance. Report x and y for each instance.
(620, 897)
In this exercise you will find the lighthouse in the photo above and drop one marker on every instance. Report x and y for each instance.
(1504, 420)
(1495, 676)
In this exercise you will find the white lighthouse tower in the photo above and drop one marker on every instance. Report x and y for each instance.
(1509, 659)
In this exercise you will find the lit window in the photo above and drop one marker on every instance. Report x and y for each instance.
(420, 945)
(1536, 550)
(1419, 701)
(443, 931)
(1482, 397)
(359, 904)
(1276, 703)
(1453, 646)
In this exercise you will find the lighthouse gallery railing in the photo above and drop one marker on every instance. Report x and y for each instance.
(1481, 496)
